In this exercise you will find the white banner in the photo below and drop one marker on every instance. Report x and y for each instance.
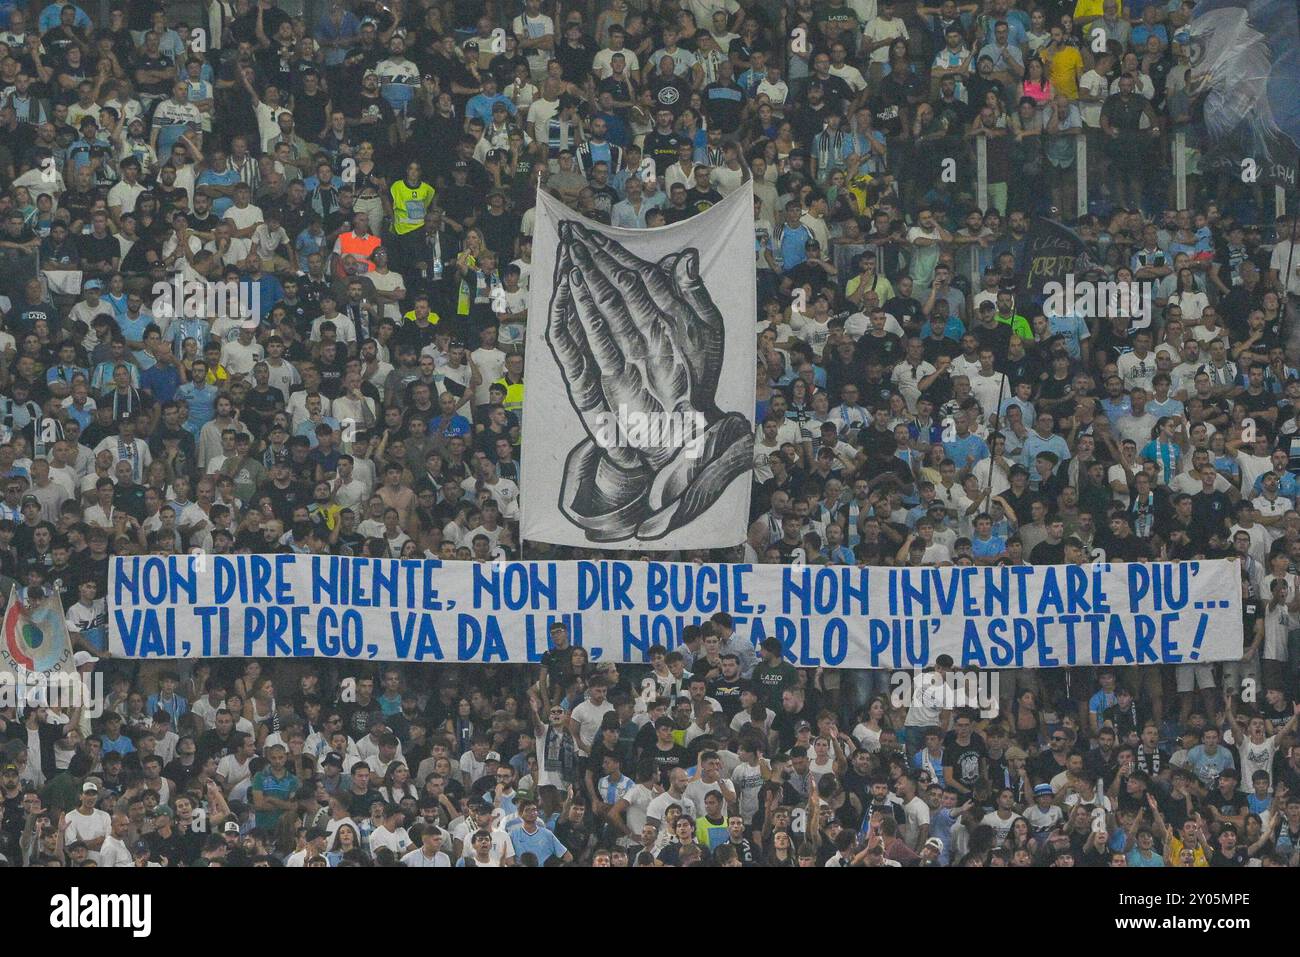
(639, 403)
(837, 616)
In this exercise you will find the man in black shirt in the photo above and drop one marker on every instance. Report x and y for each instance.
(702, 195)
(811, 120)
(669, 90)
(835, 91)
(244, 29)
(1229, 853)
(666, 753)
(575, 55)
(1050, 551)
(557, 660)
(677, 210)
(723, 101)
(877, 345)
(1211, 509)
(963, 750)
(502, 67)
(661, 142)
(1121, 545)
(58, 40)
(154, 71)
(726, 688)
(903, 306)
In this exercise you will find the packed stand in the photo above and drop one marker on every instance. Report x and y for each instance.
(363, 176)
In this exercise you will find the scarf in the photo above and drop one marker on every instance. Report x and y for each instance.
(561, 755)
(132, 399)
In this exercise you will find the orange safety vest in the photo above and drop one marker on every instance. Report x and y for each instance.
(350, 244)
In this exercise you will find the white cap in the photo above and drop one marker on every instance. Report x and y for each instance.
(84, 658)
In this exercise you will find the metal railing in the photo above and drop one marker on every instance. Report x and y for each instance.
(1084, 195)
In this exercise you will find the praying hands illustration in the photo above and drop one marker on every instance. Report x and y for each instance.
(640, 345)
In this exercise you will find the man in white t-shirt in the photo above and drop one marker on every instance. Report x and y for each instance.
(87, 823)
(122, 197)
(114, 852)
(678, 781)
(391, 834)
(536, 34)
(881, 32)
(429, 853)
(244, 217)
(317, 841)
(1284, 266)
(585, 721)
(479, 819)
(601, 65)
(916, 828)
(234, 767)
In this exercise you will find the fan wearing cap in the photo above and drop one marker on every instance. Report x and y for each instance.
(371, 116)
(931, 852)
(1044, 814)
(142, 855)
(86, 822)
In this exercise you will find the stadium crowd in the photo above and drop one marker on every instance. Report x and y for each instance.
(362, 174)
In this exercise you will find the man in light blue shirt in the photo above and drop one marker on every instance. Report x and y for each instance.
(219, 173)
(985, 547)
(1072, 330)
(1004, 53)
(1043, 439)
(1145, 854)
(529, 836)
(1016, 21)
(965, 448)
(1208, 759)
(630, 213)
(480, 105)
(52, 16)
(200, 397)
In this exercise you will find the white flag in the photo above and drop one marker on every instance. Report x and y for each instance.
(638, 422)
(36, 638)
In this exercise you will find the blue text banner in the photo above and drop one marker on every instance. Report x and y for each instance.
(329, 606)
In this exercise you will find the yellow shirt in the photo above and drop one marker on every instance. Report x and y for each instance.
(410, 206)
(884, 288)
(218, 375)
(1065, 69)
(331, 514)
(1176, 848)
(514, 401)
(433, 318)
(1092, 8)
